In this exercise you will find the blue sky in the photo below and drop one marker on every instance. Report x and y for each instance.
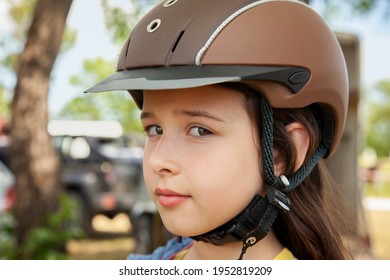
(86, 17)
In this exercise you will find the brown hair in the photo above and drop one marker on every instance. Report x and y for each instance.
(312, 229)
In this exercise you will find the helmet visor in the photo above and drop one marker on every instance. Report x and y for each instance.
(176, 77)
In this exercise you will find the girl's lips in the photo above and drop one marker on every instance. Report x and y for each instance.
(168, 198)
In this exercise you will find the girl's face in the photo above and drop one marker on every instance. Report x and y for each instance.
(201, 160)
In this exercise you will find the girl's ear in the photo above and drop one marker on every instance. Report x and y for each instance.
(300, 140)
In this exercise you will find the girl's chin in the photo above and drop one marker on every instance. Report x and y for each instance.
(181, 224)
(185, 231)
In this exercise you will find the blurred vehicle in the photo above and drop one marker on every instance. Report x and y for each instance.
(100, 171)
(7, 190)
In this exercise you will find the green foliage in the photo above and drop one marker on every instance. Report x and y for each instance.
(331, 9)
(107, 106)
(11, 43)
(68, 39)
(384, 87)
(100, 106)
(21, 13)
(119, 22)
(377, 190)
(104, 106)
(43, 243)
(93, 70)
(4, 105)
(377, 118)
(362, 6)
(7, 241)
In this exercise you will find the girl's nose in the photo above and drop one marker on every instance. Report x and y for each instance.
(163, 158)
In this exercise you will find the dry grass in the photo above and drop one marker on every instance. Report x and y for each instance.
(101, 249)
(112, 242)
(379, 227)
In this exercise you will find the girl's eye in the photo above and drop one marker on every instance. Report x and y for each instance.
(198, 131)
(153, 130)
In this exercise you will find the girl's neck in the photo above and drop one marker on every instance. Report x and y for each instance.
(266, 249)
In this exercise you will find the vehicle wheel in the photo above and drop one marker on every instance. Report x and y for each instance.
(149, 233)
(81, 217)
(143, 233)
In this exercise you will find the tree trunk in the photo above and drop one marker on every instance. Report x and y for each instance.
(33, 158)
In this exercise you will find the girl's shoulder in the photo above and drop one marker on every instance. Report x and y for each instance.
(167, 252)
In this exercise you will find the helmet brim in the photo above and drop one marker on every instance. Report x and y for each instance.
(176, 77)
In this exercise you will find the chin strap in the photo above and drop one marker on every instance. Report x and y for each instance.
(255, 221)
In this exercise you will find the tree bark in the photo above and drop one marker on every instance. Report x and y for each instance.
(33, 158)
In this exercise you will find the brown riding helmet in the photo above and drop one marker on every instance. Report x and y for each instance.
(281, 48)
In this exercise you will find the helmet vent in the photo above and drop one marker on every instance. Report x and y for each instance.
(169, 3)
(153, 25)
(177, 41)
(127, 48)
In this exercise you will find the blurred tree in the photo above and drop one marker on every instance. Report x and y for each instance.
(11, 44)
(34, 160)
(377, 118)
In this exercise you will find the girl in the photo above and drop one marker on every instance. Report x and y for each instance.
(240, 102)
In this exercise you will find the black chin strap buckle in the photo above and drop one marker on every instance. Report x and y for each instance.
(275, 193)
(245, 245)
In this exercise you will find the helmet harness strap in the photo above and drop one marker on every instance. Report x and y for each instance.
(255, 221)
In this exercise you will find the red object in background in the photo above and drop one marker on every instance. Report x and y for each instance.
(10, 197)
(108, 202)
(4, 127)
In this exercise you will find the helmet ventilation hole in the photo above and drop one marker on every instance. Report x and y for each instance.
(177, 41)
(169, 3)
(153, 25)
(127, 48)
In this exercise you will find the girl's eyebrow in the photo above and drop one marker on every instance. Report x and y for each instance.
(191, 113)
(145, 115)
(199, 113)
